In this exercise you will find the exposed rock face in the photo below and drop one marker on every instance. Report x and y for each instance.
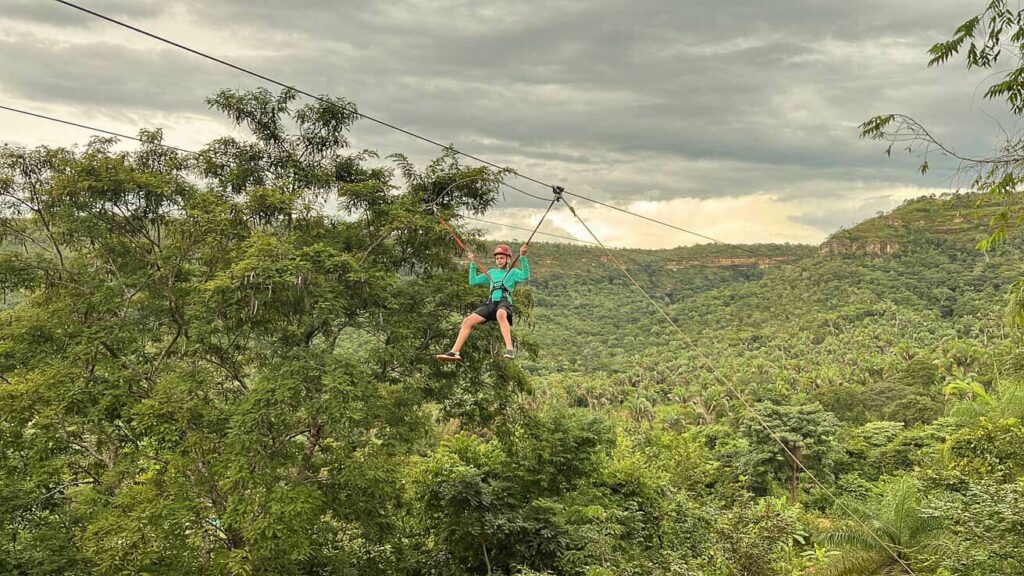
(715, 262)
(750, 261)
(548, 263)
(875, 247)
(880, 247)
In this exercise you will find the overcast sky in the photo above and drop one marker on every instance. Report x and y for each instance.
(737, 119)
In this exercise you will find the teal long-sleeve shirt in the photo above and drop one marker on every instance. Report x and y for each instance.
(511, 278)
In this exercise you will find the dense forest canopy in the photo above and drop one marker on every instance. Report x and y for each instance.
(203, 370)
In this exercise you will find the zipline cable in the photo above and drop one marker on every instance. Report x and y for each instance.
(776, 259)
(462, 244)
(674, 227)
(608, 252)
(524, 229)
(349, 109)
(100, 130)
(736, 393)
(563, 237)
(352, 110)
(559, 236)
(432, 209)
(521, 191)
(557, 197)
(194, 153)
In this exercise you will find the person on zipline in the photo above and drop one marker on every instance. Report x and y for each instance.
(502, 281)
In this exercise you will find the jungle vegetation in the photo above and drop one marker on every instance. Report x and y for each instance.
(222, 363)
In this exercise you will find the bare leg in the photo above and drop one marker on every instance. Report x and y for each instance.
(467, 327)
(506, 329)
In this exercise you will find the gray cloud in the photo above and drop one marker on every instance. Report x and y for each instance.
(106, 76)
(52, 13)
(639, 100)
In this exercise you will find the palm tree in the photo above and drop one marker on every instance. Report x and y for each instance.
(640, 410)
(898, 529)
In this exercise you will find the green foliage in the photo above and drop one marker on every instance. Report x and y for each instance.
(191, 452)
(180, 389)
(875, 449)
(757, 538)
(975, 490)
(803, 437)
(994, 35)
(989, 450)
(203, 372)
(894, 534)
(983, 528)
(549, 499)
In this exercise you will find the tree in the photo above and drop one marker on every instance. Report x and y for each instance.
(989, 450)
(898, 531)
(872, 450)
(807, 431)
(984, 521)
(486, 506)
(756, 537)
(994, 36)
(210, 373)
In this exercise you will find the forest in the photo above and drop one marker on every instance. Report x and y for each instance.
(222, 362)
(205, 371)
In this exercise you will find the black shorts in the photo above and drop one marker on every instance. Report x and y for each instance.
(489, 311)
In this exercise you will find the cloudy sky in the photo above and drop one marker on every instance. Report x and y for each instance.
(738, 119)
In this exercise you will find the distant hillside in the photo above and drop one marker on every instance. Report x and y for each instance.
(962, 218)
(561, 259)
(919, 261)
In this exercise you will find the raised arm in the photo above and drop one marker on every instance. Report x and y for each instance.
(524, 272)
(476, 279)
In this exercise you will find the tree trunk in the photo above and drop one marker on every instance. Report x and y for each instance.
(794, 470)
(487, 558)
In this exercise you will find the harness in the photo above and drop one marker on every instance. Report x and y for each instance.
(506, 294)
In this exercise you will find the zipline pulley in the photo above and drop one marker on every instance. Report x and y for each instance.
(558, 191)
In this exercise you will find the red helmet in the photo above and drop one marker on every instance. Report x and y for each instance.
(503, 249)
